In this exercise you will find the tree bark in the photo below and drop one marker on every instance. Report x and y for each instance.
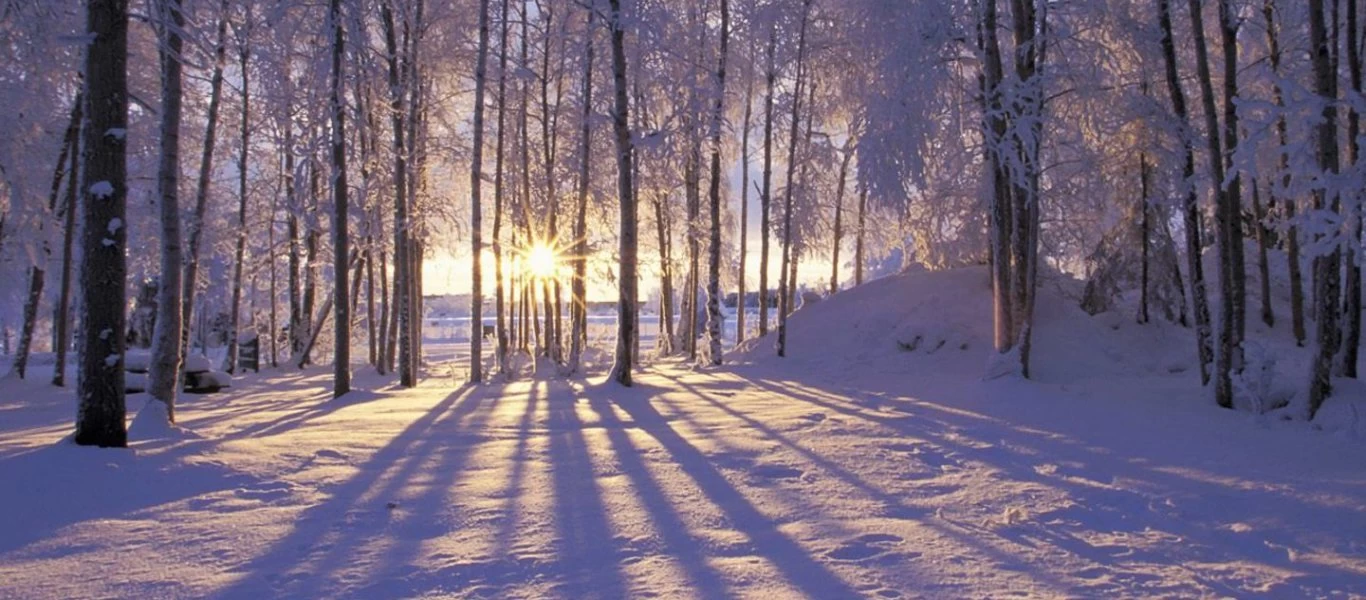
(1326, 264)
(1263, 268)
(341, 242)
(578, 330)
(201, 201)
(1191, 206)
(244, 57)
(624, 362)
(476, 202)
(766, 195)
(38, 272)
(100, 387)
(858, 240)
(786, 282)
(1351, 304)
(1225, 356)
(500, 293)
(62, 317)
(714, 258)
(403, 302)
(1292, 237)
(167, 346)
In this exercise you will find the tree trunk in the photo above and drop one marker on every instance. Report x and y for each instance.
(38, 272)
(167, 351)
(201, 201)
(1225, 216)
(403, 302)
(1145, 234)
(1326, 264)
(578, 330)
(786, 282)
(62, 318)
(766, 195)
(839, 206)
(1351, 304)
(714, 259)
(1292, 239)
(244, 56)
(341, 242)
(476, 202)
(740, 304)
(1191, 206)
(624, 362)
(858, 240)
(500, 293)
(100, 387)
(1263, 269)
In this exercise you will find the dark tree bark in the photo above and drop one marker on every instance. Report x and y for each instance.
(1326, 264)
(100, 389)
(624, 362)
(1351, 303)
(476, 202)
(1190, 206)
(1225, 216)
(858, 240)
(714, 258)
(403, 301)
(1263, 268)
(341, 242)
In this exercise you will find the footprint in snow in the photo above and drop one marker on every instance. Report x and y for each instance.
(776, 472)
(266, 492)
(865, 547)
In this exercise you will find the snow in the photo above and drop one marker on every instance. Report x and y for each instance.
(102, 189)
(875, 461)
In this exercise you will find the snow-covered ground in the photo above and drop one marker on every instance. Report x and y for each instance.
(874, 461)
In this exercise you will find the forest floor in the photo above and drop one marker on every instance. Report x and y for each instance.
(825, 475)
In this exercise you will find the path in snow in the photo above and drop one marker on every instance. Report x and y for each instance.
(745, 481)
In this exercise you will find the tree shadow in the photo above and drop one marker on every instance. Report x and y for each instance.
(1213, 515)
(378, 519)
(796, 565)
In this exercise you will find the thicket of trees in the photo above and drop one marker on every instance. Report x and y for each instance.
(1027, 135)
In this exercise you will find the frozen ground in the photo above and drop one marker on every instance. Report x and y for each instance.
(857, 467)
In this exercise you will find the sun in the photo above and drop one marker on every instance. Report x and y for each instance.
(541, 261)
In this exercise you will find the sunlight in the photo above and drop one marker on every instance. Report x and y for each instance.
(541, 261)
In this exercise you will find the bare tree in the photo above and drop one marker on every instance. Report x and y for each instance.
(476, 223)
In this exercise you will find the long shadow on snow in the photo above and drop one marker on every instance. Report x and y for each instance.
(797, 566)
(364, 523)
(1101, 505)
(62, 484)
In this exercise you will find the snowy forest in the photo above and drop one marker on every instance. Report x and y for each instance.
(641, 298)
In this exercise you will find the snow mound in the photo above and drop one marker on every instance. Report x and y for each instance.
(941, 320)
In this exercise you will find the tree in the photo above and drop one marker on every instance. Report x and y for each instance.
(626, 192)
(1191, 206)
(476, 225)
(164, 370)
(714, 258)
(341, 374)
(1327, 263)
(243, 55)
(786, 279)
(100, 391)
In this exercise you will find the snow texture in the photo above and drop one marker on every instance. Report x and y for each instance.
(875, 461)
